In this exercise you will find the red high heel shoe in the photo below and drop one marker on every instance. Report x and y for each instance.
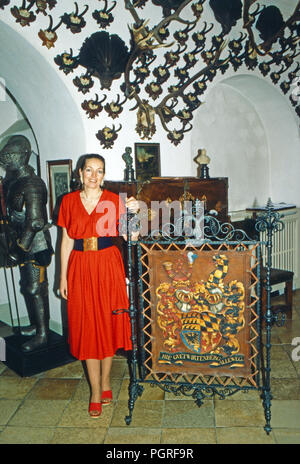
(106, 397)
(95, 410)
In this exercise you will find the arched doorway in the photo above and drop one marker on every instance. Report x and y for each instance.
(52, 114)
(43, 97)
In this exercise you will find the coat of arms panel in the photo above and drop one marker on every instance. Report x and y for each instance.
(202, 306)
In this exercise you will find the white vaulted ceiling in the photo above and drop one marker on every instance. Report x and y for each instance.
(42, 95)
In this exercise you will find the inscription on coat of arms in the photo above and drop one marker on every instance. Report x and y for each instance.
(204, 316)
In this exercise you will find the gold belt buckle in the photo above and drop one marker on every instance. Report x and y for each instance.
(90, 244)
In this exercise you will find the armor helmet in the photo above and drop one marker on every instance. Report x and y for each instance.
(15, 153)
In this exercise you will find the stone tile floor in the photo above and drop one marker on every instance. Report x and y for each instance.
(51, 408)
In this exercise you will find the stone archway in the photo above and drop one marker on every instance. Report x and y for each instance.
(52, 113)
(43, 97)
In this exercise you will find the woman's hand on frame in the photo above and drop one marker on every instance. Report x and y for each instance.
(132, 204)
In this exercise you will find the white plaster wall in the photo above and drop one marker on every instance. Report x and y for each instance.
(251, 129)
(234, 137)
(44, 98)
(9, 112)
(282, 132)
(251, 135)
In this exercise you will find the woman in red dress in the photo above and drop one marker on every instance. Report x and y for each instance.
(92, 276)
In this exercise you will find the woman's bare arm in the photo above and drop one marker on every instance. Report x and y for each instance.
(67, 245)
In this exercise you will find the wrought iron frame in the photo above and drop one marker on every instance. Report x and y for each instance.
(207, 229)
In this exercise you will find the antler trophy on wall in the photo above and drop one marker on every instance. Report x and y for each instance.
(168, 66)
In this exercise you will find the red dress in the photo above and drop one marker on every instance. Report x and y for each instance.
(96, 281)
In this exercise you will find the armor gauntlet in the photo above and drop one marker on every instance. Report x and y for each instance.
(29, 233)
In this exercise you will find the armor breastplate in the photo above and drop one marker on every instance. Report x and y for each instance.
(17, 210)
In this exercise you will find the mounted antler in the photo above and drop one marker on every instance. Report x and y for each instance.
(195, 58)
(145, 119)
(240, 51)
(93, 107)
(104, 17)
(114, 108)
(23, 15)
(66, 61)
(144, 39)
(49, 36)
(107, 136)
(176, 136)
(166, 113)
(75, 21)
(43, 5)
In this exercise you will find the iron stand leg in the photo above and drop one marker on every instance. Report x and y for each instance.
(134, 389)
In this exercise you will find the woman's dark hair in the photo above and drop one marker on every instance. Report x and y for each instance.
(76, 182)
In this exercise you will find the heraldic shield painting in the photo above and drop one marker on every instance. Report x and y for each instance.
(200, 317)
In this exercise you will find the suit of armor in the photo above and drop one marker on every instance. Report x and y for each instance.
(28, 237)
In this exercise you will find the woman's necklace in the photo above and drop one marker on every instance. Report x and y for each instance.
(93, 199)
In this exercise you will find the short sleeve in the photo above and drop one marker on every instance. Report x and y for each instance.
(61, 221)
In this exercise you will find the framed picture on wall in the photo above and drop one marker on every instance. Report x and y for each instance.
(147, 161)
(59, 179)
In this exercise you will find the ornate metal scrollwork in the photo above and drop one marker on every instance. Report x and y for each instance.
(196, 229)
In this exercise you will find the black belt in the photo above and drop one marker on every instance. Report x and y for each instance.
(92, 243)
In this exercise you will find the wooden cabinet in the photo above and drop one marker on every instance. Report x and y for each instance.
(213, 192)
